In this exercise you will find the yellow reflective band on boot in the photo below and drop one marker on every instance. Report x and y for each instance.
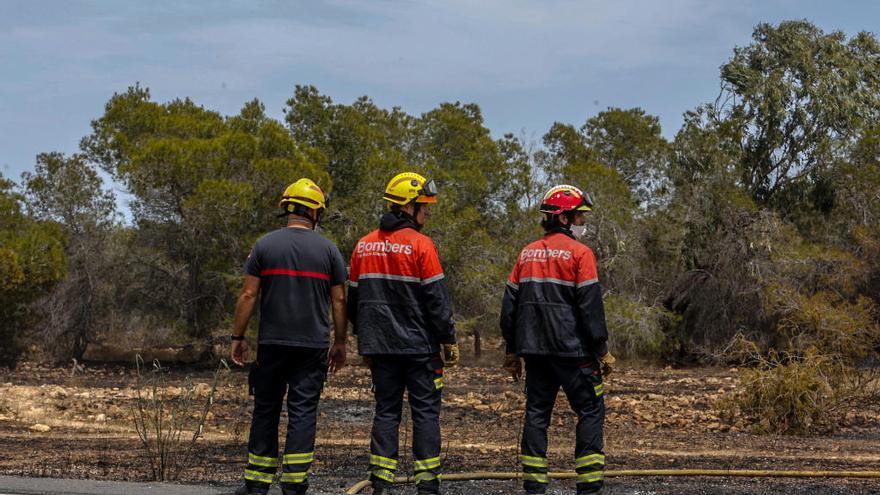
(589, 460)
(531, 461)
(426, 476)
(299, 458)
(251, 475)
(591, 477)
(600, 389)
(536, 477)
(438, 383)
(294, 477)
(261, 461)
(425, 464)
(385, 462)
(383, 474)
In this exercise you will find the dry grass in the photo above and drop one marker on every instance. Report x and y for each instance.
(170, 420)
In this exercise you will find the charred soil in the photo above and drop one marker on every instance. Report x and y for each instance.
(54, 424)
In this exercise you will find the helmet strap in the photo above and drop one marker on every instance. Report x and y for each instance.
(417, 207)
(303, 215)
(552, 223)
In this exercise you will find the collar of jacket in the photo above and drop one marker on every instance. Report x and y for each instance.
(560, 230)
(396, 220)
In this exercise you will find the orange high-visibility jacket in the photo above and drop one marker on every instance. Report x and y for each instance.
(552, 303)
(397, 295)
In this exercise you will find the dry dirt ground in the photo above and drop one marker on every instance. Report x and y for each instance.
(54, 423)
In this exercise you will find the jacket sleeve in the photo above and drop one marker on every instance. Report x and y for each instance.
(591, 309)
(508, 310)
(435, 298)
(352, 300)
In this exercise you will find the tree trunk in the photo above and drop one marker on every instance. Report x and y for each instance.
(478, 342)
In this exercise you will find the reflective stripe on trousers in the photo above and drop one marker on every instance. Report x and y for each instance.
(298, 373)
(583, 388)
(421, 378)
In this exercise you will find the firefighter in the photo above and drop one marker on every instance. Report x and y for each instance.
(297, 275)
(401, 313)
(553, 318)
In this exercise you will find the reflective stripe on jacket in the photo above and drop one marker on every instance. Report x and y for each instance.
(397, 295)
(552, 302)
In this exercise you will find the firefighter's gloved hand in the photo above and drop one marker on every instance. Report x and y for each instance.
(513, 365)
(450, 355)
(607, 363)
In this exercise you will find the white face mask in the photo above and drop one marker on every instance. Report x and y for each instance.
(578, 231)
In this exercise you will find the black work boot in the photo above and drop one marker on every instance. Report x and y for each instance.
(294, 489)
(251, 490)
(380, 486)
(535, 488)
(429, 487)
(591, 491)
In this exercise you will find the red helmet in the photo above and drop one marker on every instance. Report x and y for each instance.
(562, 198)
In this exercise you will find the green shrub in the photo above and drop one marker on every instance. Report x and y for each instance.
(801, 396)
(32, 261)
(635, 329)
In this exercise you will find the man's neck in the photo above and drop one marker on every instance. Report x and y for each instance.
(297, 222)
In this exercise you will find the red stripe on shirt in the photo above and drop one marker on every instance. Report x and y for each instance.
(295, 273)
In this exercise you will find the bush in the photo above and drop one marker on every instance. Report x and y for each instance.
(807, 394)
(635, 330)
(170, 420)
(32, 261)
(846, 330)
(800, 396)
(810, 385)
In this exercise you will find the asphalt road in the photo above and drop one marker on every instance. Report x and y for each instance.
(632, 486)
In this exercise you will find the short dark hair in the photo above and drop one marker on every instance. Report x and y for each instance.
(551, 221)
(301, 210)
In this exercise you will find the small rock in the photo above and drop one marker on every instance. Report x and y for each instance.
(58, 393)
(202, 390)
(101, 418)
(40, 428)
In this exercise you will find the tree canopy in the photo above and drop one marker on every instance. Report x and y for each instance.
(763, 206)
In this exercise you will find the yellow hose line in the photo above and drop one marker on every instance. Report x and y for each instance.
(750, 473)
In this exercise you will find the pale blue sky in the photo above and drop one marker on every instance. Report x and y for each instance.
(527, 64)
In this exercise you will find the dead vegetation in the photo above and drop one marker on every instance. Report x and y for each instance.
(658, 417)
(169, 421)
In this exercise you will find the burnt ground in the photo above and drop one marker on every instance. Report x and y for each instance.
(62, 425)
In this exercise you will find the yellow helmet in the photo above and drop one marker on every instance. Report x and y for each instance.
(303, 192)
(409, 186)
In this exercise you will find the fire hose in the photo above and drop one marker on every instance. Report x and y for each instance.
(749, 473)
